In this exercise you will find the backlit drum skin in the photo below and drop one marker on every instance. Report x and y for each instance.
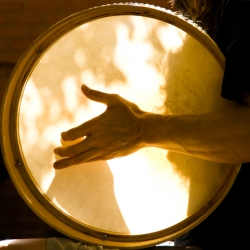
(151, 57)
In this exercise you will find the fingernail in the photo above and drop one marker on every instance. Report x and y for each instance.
(64, 135)
(55, 165)
(56, 151)
(85, 87)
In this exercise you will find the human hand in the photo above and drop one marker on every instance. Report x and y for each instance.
(114, 133)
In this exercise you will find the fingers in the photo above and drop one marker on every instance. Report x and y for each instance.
(108, 99)
(77, 159)
(87, 127)
(74, 149)
(77, 132)
(98, 96)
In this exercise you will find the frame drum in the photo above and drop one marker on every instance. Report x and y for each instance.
(148, 55)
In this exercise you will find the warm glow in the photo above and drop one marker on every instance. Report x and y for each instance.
(172, 39)
(145, 188)
(138, 58)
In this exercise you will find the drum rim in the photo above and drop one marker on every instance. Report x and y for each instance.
(10, 141)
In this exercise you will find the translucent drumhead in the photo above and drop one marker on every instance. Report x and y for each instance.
(161, 68)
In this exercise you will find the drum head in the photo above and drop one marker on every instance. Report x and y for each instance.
(149, 56)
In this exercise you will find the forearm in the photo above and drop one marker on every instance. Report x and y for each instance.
(222, 136)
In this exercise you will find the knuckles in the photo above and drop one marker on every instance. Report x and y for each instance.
(115, 96)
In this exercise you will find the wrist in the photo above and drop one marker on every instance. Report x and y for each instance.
(154, 130)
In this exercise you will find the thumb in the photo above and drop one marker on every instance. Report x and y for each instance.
(97, 96)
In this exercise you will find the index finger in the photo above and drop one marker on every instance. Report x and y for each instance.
(98, 96)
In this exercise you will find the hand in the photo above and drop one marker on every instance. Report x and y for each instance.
(115, 133)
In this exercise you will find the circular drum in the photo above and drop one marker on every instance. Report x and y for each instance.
(148, 55)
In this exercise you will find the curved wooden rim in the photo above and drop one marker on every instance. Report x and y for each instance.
(15, 161)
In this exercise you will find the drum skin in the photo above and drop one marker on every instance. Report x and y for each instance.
(150, 56)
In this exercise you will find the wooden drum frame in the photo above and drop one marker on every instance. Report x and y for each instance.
(121, 35)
